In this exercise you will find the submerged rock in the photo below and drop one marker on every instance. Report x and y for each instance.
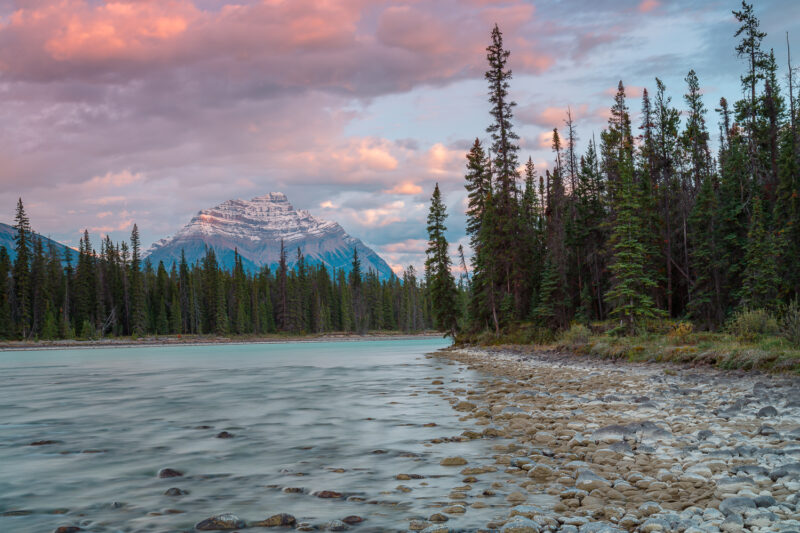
(221, 522)
(68, 529)
(352, 519)
(168, 473)
(277, 520)
(328, 494)
(453, 461)
(225, 435)
(336, 525)
(175, 491)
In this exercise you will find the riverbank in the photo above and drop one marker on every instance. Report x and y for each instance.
(205, 340)
(638, 447)
(678, 344)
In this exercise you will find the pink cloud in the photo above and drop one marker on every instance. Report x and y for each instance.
(631, 91)
(298, 43)
(648, 5)
(552, 116)
(406, 187)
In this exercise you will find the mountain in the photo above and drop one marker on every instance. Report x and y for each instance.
(8, 233)
(256, 227)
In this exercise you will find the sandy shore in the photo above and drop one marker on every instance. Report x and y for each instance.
(637, 447)
(200, 340)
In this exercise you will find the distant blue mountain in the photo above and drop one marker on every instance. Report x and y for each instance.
(8, 233)
(256, 227)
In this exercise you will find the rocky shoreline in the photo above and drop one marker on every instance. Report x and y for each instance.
(636, 447)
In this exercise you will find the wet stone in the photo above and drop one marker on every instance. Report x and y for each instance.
(337, 525)
(328, 494)
(278, 520)
(175, 491)
(352, 519)
(168, 473)
(224, 435)
(68, 529)
(453, 461)
(222, 522)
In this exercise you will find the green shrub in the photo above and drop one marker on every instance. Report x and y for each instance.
(790, 324)
(750, 324)
(576, 334)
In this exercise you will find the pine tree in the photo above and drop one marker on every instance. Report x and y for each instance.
(508, 277)
(137, 306)
(631, 282)
(442, 285)
(760, 278)
(21, 273)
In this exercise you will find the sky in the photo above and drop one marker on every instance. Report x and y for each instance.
(146, 111)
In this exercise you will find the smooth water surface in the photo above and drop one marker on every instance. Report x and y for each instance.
(338, 416)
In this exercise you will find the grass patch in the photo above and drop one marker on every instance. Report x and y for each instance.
(756, 345)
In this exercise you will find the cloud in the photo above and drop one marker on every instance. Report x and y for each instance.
(648, 5)
(406, 187)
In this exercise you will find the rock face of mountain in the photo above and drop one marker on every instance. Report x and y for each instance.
(8, 234)
(255, 228)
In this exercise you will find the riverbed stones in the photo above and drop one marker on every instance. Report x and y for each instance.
(352, 520)
(328, 494)
(736, 505)
(221, 522)
(589, 481)
(277, 520)
(453, 461)
(336, 525)
(767, 412)
(520, 524)
(67, 529)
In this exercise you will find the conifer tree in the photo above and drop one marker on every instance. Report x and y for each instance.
(631, 282)
(21, 274)
(437, 265)
(138, 311)
(760, 278)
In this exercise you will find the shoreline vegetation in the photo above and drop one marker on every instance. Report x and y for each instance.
(209, 340)
(746, 344)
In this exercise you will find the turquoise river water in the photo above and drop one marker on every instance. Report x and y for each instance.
(309, 416)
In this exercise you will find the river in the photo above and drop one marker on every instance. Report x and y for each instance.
(304, 417)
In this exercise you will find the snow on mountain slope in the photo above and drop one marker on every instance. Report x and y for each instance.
(256, 227)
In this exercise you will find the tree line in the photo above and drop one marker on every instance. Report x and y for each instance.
(648, 223)
(115, 292)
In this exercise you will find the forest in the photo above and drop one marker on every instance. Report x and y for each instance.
(114, 292)
(648, 225)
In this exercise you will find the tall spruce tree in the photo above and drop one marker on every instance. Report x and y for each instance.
(631, 281)
(441, 283)
(21, 273)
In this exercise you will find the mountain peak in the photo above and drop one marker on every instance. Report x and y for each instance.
(272, 197)
(256, 228)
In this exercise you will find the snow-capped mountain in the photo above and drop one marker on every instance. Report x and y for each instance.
(256, 227)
